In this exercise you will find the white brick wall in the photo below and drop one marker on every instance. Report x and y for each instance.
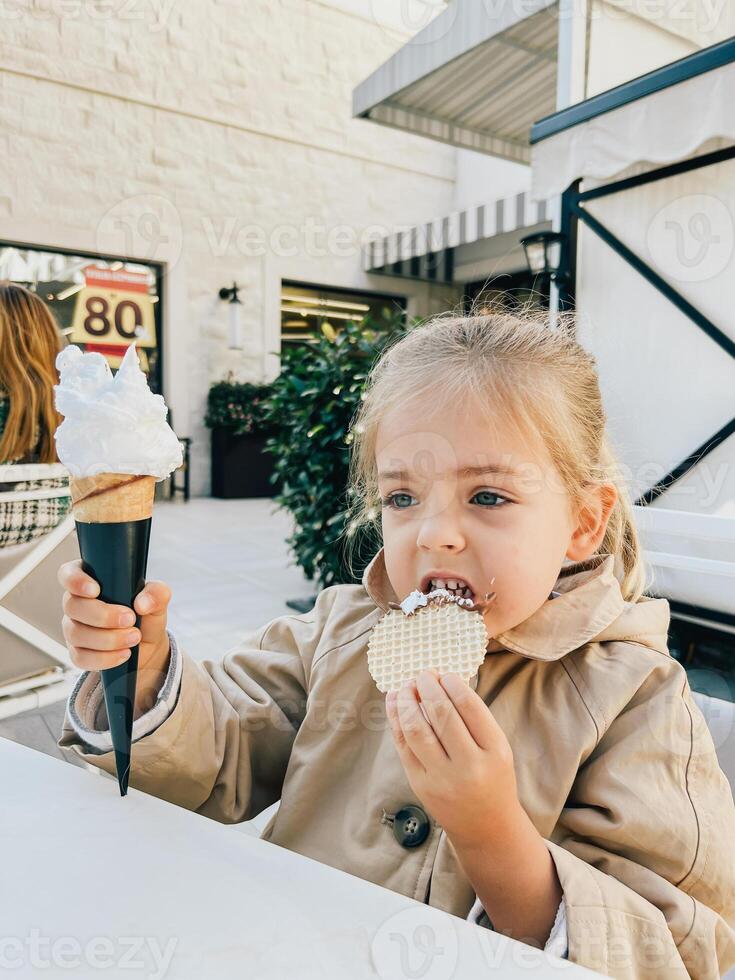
(168, 128)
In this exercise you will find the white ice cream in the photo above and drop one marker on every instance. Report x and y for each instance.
(111, 424)
(418, 598)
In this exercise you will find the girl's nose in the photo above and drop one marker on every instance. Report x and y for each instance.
(440, 530)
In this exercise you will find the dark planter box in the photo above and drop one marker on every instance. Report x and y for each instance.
(240, 468)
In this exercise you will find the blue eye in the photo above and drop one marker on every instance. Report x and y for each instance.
(489, 493)
(389, 501)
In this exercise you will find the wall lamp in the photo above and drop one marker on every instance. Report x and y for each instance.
(235, 315)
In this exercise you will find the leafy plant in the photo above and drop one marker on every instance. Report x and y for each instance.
(240, 407)
(311, 404)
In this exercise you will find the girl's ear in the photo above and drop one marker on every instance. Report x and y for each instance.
(592, 521)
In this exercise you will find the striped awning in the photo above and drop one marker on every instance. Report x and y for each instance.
(425, 251)
(477, 76)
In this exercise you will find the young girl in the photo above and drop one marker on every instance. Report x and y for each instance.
(570, 796)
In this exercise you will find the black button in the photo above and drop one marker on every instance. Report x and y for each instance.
(411, 826)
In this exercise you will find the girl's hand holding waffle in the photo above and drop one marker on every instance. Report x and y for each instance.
(459, 763)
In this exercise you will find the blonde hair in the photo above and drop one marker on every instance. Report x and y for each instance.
(29, 343)
(536, 377)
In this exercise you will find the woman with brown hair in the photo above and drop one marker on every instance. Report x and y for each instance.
(29, 343)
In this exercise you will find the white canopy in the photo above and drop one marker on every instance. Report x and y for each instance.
(667, 125)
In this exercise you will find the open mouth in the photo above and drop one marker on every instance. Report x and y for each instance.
(458, 587)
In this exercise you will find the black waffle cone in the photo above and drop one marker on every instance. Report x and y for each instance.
(116, 556)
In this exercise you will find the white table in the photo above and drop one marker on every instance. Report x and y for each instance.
(194, 898)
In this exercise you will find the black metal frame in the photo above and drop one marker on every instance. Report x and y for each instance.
(567, 274)
(573, 211)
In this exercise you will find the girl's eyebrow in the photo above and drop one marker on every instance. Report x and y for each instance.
(465, 471)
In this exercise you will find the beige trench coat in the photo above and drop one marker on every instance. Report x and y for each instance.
(614, 761)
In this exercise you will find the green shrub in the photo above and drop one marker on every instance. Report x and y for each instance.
(240, 407)
(312, 403)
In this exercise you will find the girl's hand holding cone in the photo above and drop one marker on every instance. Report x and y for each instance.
(99, 634)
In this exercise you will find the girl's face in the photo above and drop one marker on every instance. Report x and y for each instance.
(513, 523)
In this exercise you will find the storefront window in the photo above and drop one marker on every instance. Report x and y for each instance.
(101, 304)
(307, 310)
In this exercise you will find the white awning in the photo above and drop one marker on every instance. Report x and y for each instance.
(647, 125)
(516, 215)
(477, 77)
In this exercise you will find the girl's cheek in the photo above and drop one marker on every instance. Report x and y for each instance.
(491, 618)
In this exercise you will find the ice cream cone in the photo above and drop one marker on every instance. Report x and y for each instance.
(116, 422)
(112, 497)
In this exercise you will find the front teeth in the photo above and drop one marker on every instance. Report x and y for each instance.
(451, 585)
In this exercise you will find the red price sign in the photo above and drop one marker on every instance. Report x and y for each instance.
(114, 309)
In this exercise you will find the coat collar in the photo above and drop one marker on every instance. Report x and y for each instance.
(590, 600)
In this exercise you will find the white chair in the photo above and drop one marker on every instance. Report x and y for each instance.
(33, 656)
(691, 556)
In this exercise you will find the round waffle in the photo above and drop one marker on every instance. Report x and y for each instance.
(440, 634)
